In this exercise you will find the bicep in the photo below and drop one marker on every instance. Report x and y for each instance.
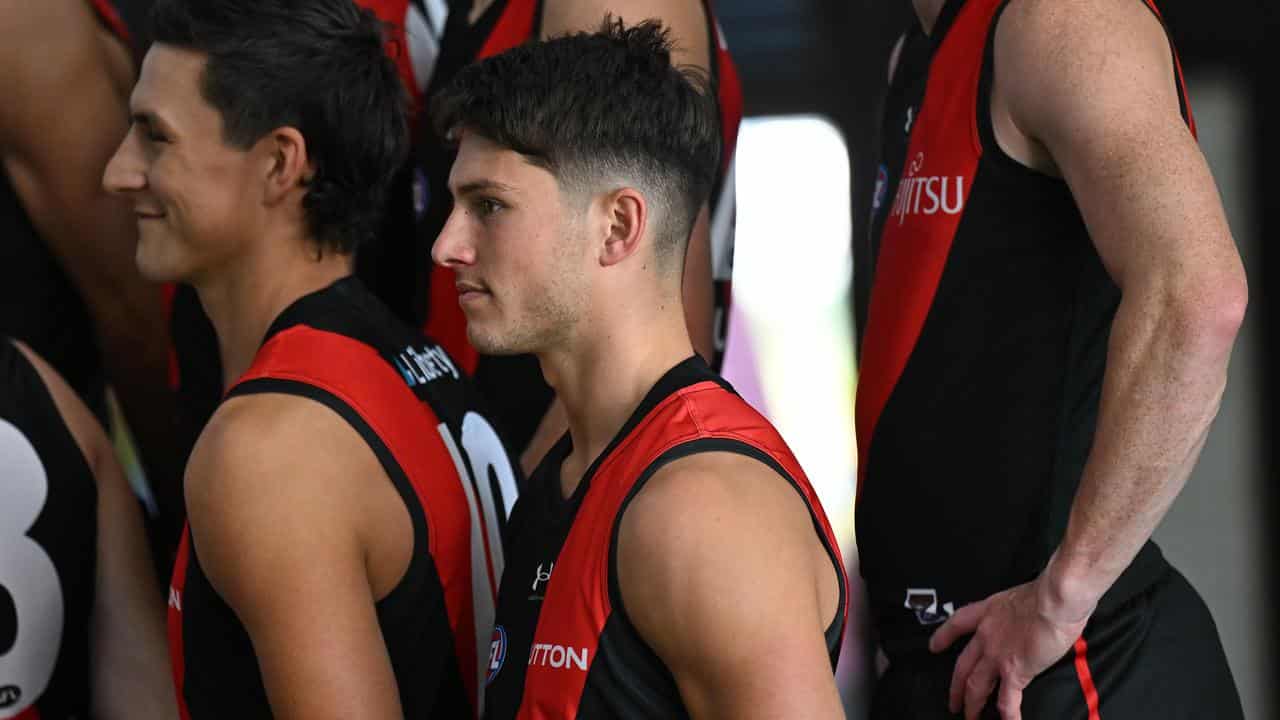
(1106, 107)
(734, 589)
(255, 502)
(686, 19)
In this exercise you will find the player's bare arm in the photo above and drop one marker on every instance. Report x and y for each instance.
(74, 79)
(300, 532)
(1094, 99)
(130, 676)
(723, 574)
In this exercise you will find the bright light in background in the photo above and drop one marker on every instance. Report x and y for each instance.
(790, 344)
(789, 333)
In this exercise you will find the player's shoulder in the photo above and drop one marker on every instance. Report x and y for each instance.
(1080, 34)
(273, 450)
(711, 496)
(83, 426)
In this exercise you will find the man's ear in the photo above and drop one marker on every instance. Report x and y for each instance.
(625, 217)
(288, 165)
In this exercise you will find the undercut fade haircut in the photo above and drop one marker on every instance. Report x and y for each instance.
(319, 66)
(600, 111)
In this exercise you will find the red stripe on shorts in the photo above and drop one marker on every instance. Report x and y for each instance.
(1086, 679)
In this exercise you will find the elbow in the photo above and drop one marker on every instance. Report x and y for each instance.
(1212, 311)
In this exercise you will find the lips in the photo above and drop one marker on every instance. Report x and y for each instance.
(144, 214)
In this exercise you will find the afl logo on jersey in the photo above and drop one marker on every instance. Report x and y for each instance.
(9, 696)
(882, 186)
(497, 653)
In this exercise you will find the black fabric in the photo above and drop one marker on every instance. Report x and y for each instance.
(1156, 655)
(65, 530)
(976, 458)
(40, 306)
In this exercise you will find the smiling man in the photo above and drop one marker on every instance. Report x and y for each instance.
(344, 500)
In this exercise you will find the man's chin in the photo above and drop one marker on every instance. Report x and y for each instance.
(490, 344)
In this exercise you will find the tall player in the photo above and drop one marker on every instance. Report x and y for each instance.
(68, 284)
(476, 29)
(343, 501)
(668, 557)
(1055, 298)
(81, 618)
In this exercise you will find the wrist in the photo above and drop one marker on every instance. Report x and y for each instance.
(1067, 591)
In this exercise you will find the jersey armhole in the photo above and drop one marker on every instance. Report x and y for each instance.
(834, 630)
(417, 568)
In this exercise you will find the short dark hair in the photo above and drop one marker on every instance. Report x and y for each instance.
(319, 66)
(598, 107)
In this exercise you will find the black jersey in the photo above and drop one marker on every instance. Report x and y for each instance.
(406, 397)
(48, 544)
(984, 347)
(564, 646)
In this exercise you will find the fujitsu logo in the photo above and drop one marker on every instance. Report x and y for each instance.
(558, 656)
(927, 194)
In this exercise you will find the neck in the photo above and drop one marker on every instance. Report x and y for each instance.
(243, 300)
(603, 374)
(928, 11)
(478, 7)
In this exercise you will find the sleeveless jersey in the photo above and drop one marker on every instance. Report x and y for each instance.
(564, 646)
(48, 546)
(984, 346)
(514, 384)
(409, 401)
(38, 302)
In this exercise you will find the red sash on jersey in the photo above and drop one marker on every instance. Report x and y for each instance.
(577, 604)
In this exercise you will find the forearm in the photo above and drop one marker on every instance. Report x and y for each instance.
(1166, 370)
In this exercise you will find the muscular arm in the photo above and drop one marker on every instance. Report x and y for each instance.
(1112, 125)
(283, 501)
(53, 146)
(1086, 88)
(130, 673)
(722, 573)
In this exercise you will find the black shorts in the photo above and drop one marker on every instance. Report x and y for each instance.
(1155, 656)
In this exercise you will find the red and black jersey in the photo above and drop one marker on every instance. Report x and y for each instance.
(564, 646)
(515, 384)
(48, 551)
(983, 351)
(38, 302)
(411, 403)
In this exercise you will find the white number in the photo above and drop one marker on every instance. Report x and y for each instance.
(27, 574)
(485, 451)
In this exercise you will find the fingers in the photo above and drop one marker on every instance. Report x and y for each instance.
(1010, 700)
(960, 675)
(978, 687)
(964, 622)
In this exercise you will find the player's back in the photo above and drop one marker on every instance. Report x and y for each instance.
(48, 531)
(404, 396)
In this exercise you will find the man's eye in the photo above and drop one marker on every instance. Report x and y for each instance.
(487, 206)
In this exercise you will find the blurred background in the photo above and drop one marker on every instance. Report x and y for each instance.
(814, 74)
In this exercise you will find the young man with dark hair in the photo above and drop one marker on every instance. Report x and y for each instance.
(668, 557)
(344, 501)
(529, 415)
(81, 618)
(1055, 297)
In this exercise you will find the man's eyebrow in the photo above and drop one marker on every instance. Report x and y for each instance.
(148, 119)
(476, 186)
